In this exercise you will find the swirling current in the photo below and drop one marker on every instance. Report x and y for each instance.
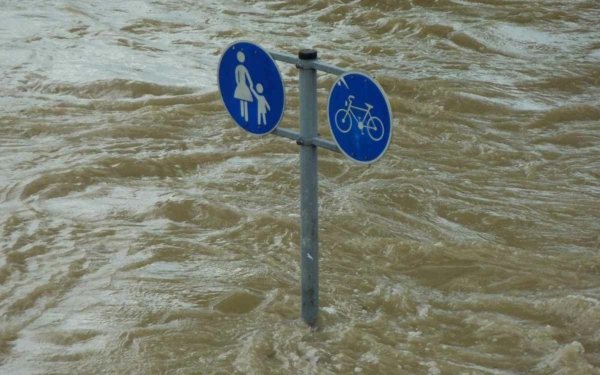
(142, 232)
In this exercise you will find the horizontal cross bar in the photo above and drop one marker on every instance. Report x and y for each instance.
(308, 64)
(318, 142)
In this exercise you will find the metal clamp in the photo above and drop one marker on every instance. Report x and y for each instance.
(301, 141)
(308, 64)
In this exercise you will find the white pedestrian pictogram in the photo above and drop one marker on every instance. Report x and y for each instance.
(345, 117)
(242, 92)
(263, 105)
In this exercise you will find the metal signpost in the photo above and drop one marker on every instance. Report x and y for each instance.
(360, 119)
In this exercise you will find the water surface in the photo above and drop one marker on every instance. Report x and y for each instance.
(144, 233)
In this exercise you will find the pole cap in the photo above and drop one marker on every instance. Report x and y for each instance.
(307, 54)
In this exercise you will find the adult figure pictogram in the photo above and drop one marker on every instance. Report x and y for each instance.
(244, 85)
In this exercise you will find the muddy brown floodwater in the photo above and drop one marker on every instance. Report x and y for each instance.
(142, 232)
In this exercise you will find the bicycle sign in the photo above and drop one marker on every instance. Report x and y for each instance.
(360, 117)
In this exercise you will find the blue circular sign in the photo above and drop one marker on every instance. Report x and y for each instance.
(251, 87)
(360, 117)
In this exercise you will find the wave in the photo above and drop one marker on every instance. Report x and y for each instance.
(566, 114)
(146, 25)
(105, 89)
(572, 139)
(50, 291)
(567, 359)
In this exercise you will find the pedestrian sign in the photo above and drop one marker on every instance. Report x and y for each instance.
(360, 117)
(251, 87)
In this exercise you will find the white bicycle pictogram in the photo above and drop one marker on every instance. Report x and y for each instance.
(345, 117)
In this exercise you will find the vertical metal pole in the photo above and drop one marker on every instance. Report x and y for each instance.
(309, 191)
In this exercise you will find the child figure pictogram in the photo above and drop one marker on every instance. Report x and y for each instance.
(262, 104)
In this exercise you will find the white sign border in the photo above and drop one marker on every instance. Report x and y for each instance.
(280, 76)
(387, 101)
